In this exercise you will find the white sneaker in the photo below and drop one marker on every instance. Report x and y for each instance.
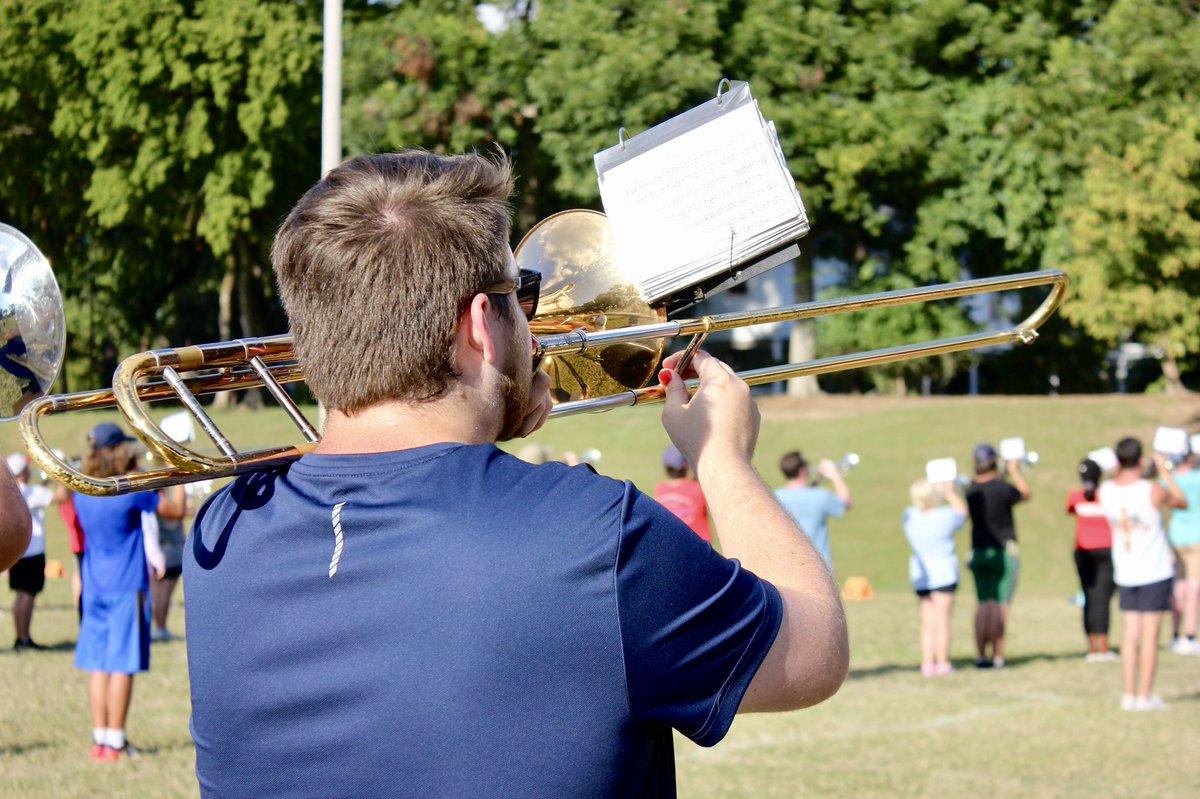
(1129, 702)
(1102, 657)
(1185, 646)
(1151, 703)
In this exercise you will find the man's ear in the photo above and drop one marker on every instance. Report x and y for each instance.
(478, 328)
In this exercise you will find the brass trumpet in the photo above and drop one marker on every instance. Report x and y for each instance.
(600, 342)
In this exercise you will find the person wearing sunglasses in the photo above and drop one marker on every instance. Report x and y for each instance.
(411, 611)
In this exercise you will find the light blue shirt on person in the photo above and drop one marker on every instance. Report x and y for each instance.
(1185, 524)
(811, 507)
(934, 563)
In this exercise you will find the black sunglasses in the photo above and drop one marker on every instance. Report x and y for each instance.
(527, 284)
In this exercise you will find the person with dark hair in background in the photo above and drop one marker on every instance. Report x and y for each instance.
(811, 505)
(1142, 566)
(682, 495)
(1093, 561)
(995, 556)
(114, 636)
(427, 615)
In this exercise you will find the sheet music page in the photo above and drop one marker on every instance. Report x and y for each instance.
(699, 203)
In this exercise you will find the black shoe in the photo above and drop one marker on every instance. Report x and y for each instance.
(984, 663)
(26, 643)
(128, 750)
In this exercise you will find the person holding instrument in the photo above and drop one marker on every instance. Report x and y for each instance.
(995, 557)
(810, 505)
(440, 618)
(1142, 565)
(930, 522)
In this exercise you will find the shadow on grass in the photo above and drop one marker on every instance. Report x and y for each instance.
(16, 750)
(886, 669)
(61, 646)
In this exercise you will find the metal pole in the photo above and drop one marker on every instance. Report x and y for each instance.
(331, 106)
(331, 88)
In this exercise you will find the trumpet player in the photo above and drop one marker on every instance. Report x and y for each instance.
(409, 610)
(812, 506)
(995, 556)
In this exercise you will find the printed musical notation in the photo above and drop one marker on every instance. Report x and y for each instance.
(709, 193)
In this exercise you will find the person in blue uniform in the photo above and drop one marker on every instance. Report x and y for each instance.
(411, 611)
(114, 633)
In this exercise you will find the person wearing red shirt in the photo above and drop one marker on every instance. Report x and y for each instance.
(681, 494)
(1093, 561)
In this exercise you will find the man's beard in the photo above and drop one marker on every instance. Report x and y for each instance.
(516, 380)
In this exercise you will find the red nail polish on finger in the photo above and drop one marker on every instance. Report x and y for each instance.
(664, 377)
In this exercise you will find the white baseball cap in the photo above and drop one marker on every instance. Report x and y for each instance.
(17, 463)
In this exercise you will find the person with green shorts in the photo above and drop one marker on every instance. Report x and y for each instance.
(995, 559)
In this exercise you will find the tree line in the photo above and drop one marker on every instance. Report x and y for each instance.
(151, 147)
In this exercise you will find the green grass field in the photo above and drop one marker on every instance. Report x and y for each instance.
(1046, 726)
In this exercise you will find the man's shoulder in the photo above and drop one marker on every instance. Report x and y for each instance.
(468, 477)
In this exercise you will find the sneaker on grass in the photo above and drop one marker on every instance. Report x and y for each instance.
(104, 754)
(1149, 704)
(128, 750)
(1129, 702)
(1185, 646)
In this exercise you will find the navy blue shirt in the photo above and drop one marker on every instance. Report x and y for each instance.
(451, 621)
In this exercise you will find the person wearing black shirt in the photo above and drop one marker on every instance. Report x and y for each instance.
(995, 561)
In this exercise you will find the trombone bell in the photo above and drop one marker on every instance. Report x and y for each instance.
(584, 288)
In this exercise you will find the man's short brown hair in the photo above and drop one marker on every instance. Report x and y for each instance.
(791, 464)
(379, 260)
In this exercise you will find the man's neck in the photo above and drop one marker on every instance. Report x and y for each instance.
(392, 426)
(1128, 475)
(799, 481)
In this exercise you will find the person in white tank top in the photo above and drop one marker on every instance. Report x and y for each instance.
(1140, 552)
(1142, 565)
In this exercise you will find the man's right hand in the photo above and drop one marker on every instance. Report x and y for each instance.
(716, 430)
(719, 422)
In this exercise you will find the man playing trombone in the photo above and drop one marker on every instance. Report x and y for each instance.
(410, 611)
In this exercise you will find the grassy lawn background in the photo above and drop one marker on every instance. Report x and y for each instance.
(1047, 726)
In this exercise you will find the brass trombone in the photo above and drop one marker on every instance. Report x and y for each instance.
(594, 326)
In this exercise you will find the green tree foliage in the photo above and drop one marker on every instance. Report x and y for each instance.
(151, 146)
(1016, 146)
(420, 76)
(865, 94)
(1135, 241)
(426, 73)
(607, 65)
(182, 131)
